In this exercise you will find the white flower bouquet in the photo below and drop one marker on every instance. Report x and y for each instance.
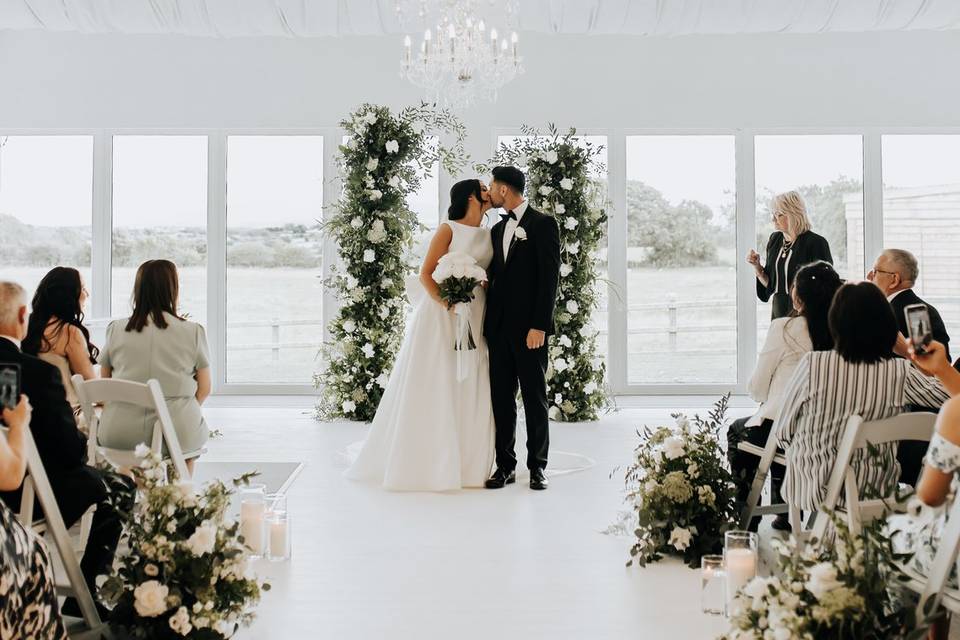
(681, 490)
(185, 573)
(458, 276)
(844, 589)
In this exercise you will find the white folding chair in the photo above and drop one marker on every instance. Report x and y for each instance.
(933, 589)
(768, 456)
(75, 586)
(149, 396)
(858, 435)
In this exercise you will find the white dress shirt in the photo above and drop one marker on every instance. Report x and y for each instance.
(13, 340)
(895, 294)
(511, 228)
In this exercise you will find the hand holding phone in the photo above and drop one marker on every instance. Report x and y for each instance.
(918, 326)
(9, 385)
(18, 417)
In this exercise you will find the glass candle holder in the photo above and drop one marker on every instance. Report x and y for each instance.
(278, 526)
(712, 585)
(253, 508)
(740, 560)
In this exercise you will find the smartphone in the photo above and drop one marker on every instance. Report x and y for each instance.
(9, 385)
(918, 324)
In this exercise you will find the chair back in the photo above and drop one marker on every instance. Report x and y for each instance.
(148, 396)
(943, 562)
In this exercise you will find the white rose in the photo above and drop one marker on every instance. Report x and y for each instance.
(369, 255)
(372, 164)
(565, 341)
(673, 448)
(572, 306)
(560, 365)
(352, 283)
(565, 270)
(356, 223)
(554, 413)
(348, 406)
(570, 223)
(566, 184)
(392, 146)
(180, 621)
(382, 380)
(520, 233)
(367, 350)
(546, 190)
(590, 387)
(558, 399)
(384, 312)
(573, 248)
(375, 194)
(370, 118)
(349, 326)
(203, 539)
(560, 208)
(150, 599)
(141, 451)
(394, 181)
(680, 538)
(550, 156)
(823, 580)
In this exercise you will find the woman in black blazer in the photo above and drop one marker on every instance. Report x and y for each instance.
(791, 246)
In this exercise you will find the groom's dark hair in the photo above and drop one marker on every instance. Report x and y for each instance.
(510, 176)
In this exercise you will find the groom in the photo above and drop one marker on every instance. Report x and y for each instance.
(521, 297)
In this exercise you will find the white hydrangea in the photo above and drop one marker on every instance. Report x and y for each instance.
(570, 223)
(372, 164)
(566, 184)
(565, 341)
(377, 232)
(560, 365)
(203, 540)
(673, 448)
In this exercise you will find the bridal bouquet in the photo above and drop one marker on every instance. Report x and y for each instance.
(458, 276)
(681, 491)
(828, 591)
(185, 574)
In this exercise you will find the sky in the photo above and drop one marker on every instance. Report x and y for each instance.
(161, 180)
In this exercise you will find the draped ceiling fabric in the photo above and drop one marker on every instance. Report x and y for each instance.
(314, 18)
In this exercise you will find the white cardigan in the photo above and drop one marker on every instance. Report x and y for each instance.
(787, 341)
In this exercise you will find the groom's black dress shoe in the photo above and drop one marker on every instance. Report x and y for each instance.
(538, 480)
(500, 478)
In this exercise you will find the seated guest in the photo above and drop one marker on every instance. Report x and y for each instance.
(63, 451)
(918, 533)
(859, 377)
(787, 340)
(24, 563)
(895, 272)
(56, 333)
(156, 342)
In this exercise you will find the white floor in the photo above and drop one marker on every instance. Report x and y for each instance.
(476, 564)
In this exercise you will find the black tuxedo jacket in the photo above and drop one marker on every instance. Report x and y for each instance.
(62, 448)
(908, 297)
(522, 291)
(807, 248)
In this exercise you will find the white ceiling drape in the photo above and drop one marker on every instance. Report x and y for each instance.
(314, 18)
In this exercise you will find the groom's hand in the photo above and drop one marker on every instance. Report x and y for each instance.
(535, 338)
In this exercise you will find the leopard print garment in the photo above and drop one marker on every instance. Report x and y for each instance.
(28, 600)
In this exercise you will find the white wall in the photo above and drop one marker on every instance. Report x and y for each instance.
(830, 80)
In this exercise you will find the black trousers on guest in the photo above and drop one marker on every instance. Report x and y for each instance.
(744, 465)
(910, 453)
(512, 364)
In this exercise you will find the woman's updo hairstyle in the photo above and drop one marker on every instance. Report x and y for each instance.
(460, 198)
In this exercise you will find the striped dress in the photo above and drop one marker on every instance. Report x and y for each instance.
(824, 392)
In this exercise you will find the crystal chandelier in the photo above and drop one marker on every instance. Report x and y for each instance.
(462, 57)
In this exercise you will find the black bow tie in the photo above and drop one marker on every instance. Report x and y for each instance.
(508, 214)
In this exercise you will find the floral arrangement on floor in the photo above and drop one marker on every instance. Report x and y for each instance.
(381, 164)
(682, 492)
(561, 180)
(185, 574)
(846, 589)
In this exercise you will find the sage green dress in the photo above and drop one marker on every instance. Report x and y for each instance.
(172, 356)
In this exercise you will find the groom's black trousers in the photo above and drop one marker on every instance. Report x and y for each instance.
(511, 362)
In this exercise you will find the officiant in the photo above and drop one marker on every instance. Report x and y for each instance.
(791, 246)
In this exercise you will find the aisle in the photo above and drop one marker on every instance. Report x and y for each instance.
(477, 564)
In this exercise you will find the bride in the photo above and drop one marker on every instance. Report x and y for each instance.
(431, 432)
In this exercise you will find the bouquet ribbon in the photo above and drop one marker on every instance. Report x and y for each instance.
(464, 337)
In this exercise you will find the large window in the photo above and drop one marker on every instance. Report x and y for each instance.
(921, 213)
(46, 199)
(274, 259)
(160, 212)
(827, 170)
(681, 270)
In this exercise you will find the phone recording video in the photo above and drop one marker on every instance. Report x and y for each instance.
(9, 385)
(918, 324)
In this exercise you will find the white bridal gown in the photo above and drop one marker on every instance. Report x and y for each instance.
(432, 433)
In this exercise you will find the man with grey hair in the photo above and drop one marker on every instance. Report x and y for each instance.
(63, 451)
(895, 272)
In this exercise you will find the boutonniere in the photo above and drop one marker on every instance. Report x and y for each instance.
(520, 233)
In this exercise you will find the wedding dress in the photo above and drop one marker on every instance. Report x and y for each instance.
(432, 432)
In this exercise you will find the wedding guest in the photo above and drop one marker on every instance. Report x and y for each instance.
(918, 532)
(791, 246)
(859, 376)
(155, 342)
(56, 333)
(787, 341)
(63, 451)
(895, 272)
(28, 602)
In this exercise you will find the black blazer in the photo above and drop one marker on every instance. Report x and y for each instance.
(61, 446)
(908, 297)
(808, 247)
(522, 290)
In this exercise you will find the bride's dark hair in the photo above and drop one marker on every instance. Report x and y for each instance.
(460, 198)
